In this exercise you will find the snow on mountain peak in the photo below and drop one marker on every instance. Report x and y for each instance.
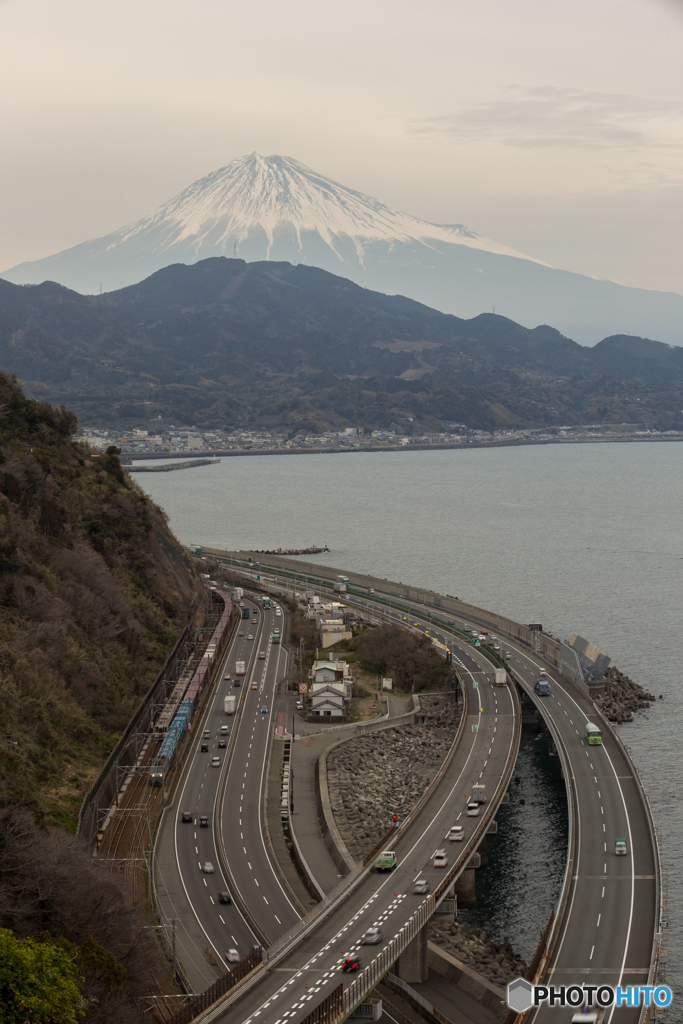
(276, 194)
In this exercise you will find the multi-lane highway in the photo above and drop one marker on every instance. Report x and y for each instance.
(228, 794)
(606, 933)
(312, 969)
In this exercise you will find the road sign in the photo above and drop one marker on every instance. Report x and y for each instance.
(303, 687)
(476, 642)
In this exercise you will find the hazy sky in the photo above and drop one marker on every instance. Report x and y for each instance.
(554, 128)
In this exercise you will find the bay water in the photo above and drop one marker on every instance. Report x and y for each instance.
(582, 538)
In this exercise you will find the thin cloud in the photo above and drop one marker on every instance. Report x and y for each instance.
(546, 117)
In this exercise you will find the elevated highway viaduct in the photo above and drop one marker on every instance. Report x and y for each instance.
(609, 916)
(262, 908)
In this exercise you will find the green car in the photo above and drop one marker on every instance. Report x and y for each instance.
(386, 861)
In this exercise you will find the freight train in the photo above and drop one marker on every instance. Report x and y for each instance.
(178, 708)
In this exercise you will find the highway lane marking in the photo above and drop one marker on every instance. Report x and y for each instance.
(221, 919)
(212, 900)
(599, 916)
(592, 951)
(277, 919)
(630, 837)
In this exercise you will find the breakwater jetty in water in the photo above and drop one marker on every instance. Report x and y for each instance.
(190, 464)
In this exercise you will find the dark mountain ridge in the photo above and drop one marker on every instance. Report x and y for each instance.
(226, 329)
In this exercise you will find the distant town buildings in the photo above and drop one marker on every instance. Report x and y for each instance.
(173, 440)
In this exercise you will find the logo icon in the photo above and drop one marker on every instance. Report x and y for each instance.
(520, 995)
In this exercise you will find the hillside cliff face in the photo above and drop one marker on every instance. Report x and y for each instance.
(94, 592)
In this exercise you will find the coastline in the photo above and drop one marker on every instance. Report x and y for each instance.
(128, 457)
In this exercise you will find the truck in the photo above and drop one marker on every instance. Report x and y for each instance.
(501, 677)
(542, 688)
(479, 794)
(386, 861)
(229, 705)
(339, 588)
(343, 579)
(276, 636)
(593, 734)
(240, 668)
(245, 612)
(239, 593)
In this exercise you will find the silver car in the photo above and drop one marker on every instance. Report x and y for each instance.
(372, 936)
(208, 867)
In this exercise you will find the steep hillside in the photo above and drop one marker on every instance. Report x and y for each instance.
(94, 592)
(226, 343)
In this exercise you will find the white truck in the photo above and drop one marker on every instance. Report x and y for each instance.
(239, 594)
(339, 588)
(501, 677)
(240, 668)
(229, 705)
(479, 794)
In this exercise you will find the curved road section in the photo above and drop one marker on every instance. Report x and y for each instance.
(606, 930)
(606, 935)
(301, 976)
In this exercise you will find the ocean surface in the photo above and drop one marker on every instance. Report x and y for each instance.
(585, 539)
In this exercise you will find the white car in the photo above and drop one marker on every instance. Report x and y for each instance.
(208, 867)
(456, 834)
(232, 956)
(215, 762)
(473, 810)
(250, 637)
(440, 859)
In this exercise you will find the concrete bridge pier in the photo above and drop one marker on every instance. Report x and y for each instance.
(464, 887)
(412, 965)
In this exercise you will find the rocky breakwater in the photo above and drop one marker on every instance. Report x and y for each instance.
(498, 964)
(386, 772)
(622, 697)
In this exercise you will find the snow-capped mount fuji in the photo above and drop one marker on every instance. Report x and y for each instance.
(276, 208)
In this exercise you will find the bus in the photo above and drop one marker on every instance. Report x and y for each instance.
(276, 636)
(593, 734)
(266, 603)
